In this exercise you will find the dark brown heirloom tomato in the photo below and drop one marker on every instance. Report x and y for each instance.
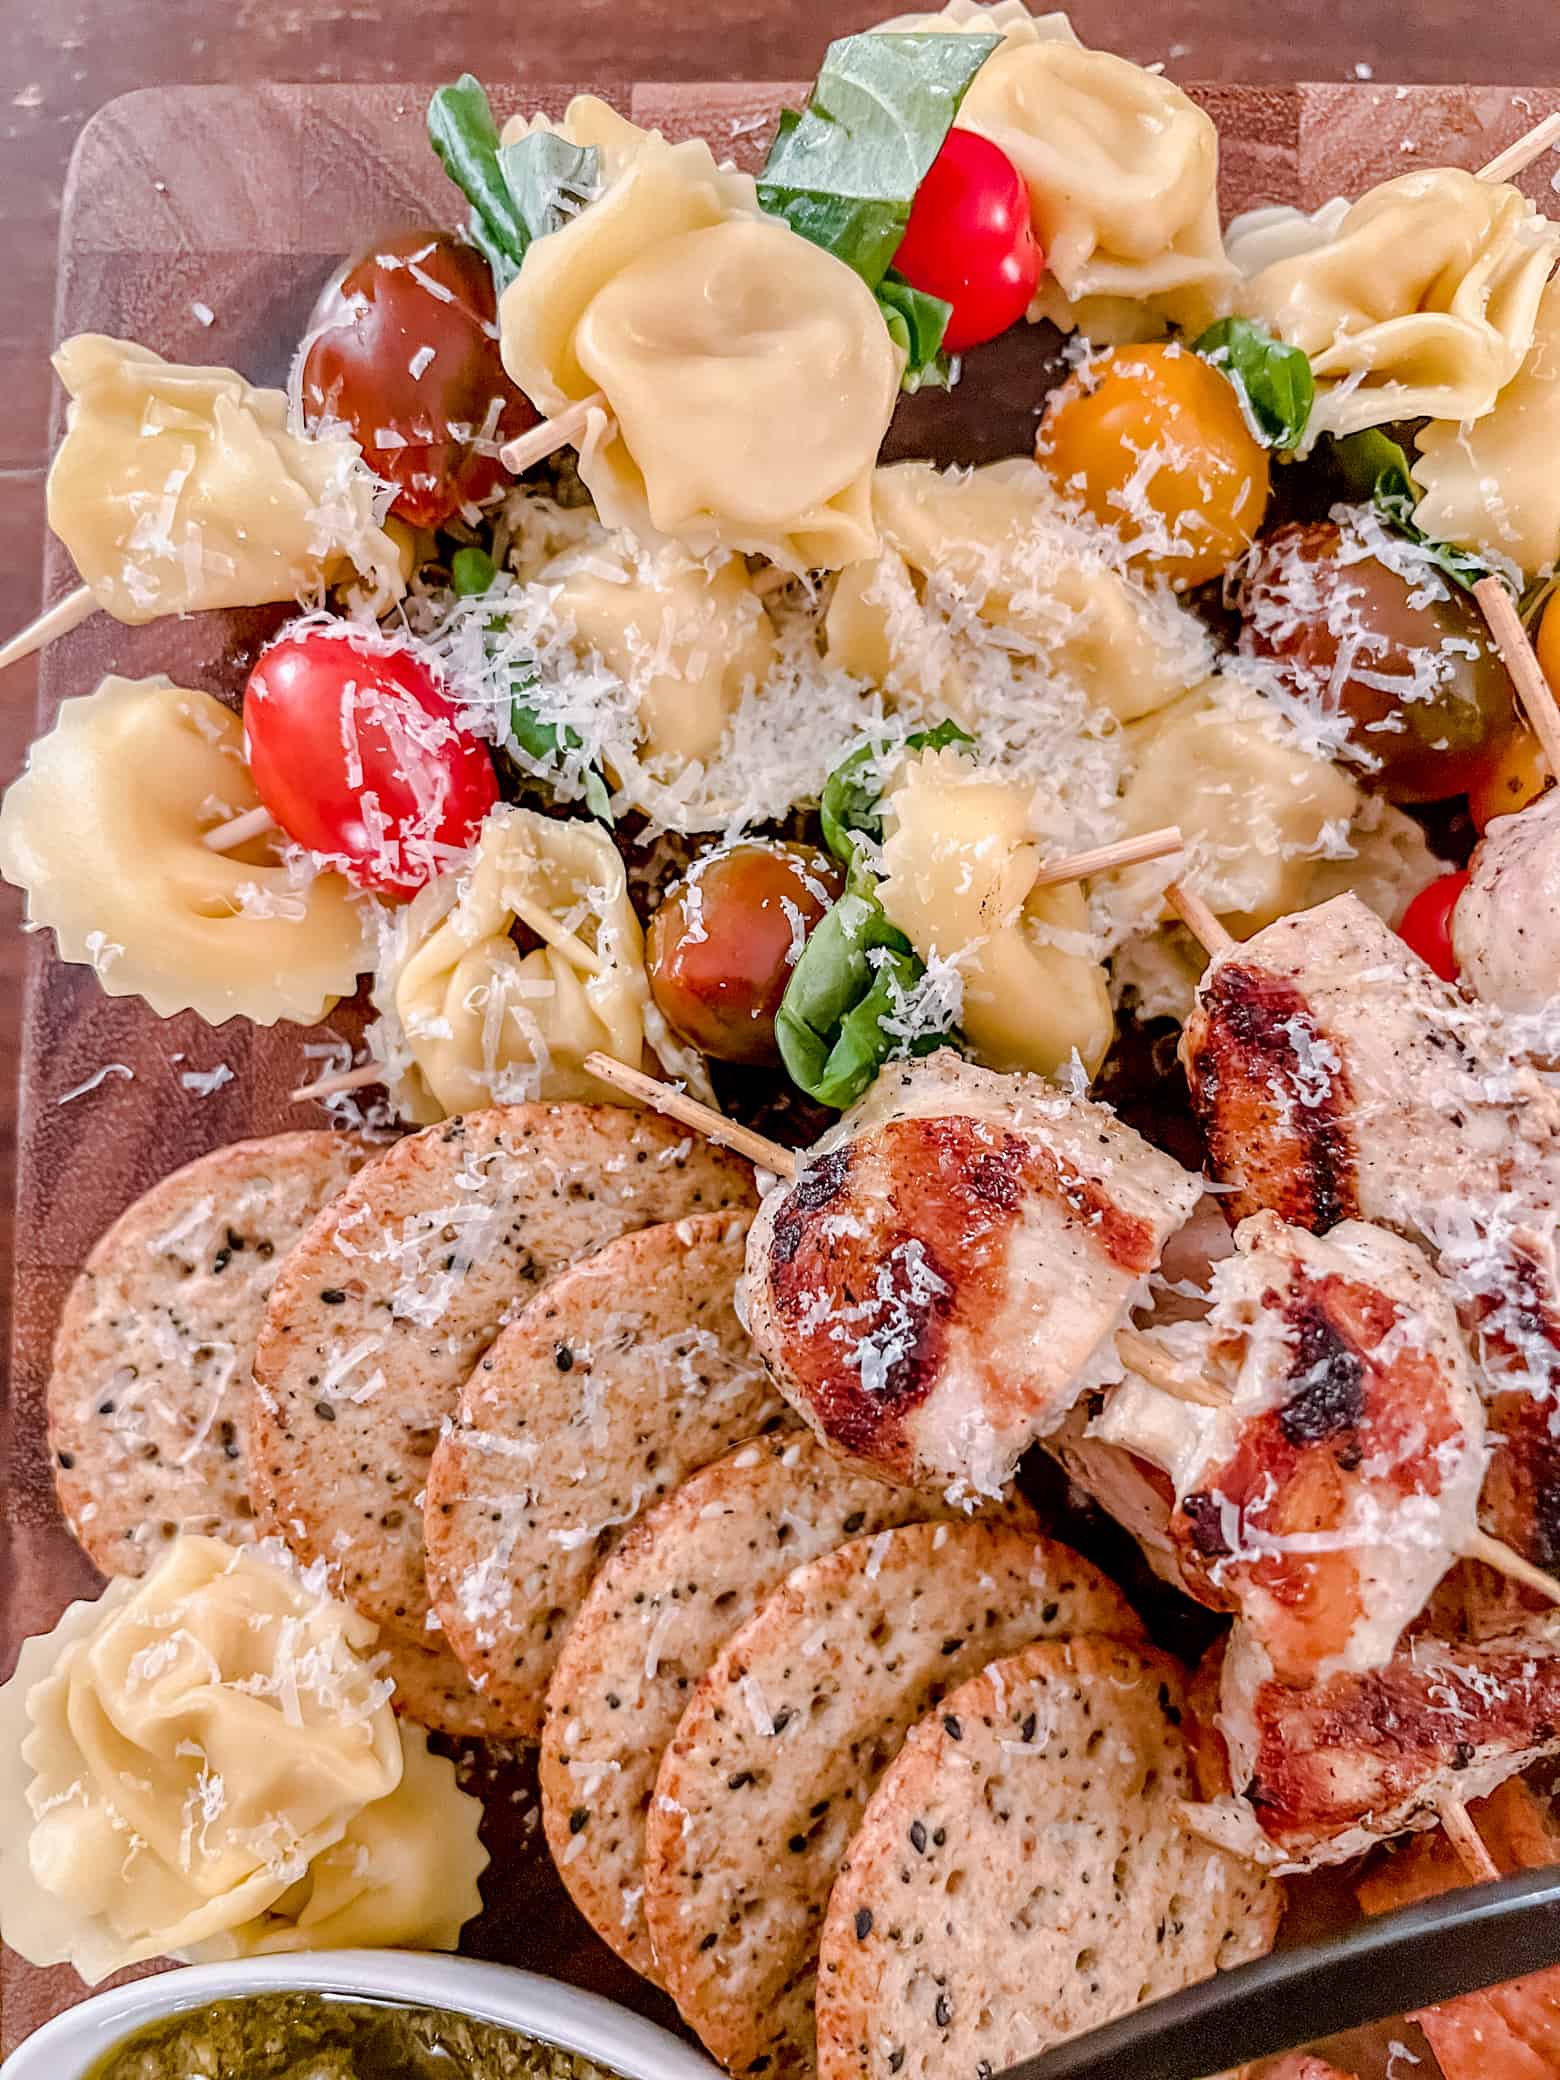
(723, 943)
(1428, 701)
(404, 350)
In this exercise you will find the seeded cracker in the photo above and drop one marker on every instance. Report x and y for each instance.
(1022, 1875)
(785, 1740)
(670, 1595)
(149, 1399)
(623, 1376)
(395, 1292)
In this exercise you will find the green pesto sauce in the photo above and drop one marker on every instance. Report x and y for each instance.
(316, 2036)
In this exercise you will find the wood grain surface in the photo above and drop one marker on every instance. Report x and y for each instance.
(240, 199)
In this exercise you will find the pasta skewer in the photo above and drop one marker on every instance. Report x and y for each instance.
(562, 431)
(1521, 661)
(1516, 158)
(238, 830)
(55, 621)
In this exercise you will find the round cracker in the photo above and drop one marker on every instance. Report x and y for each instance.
(395, 1292)
(149, 1398)
(433, 1690)
(619, 1379)
(1021, 1873)
(783, 1743)
(672, 1592)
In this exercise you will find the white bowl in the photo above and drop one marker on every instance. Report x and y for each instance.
(68, 2047)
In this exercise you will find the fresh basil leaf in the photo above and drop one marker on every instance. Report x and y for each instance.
(472, 572)
(852, 799)
(549, 180)
(1274, 379)
(845, 171)
(1377, 469)
(549, 744)
(916, 324)
(854, 970)
(462, 131)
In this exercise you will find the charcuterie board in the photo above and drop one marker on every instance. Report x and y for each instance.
(201, 222)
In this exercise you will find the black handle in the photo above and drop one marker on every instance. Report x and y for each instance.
(1443, 1947)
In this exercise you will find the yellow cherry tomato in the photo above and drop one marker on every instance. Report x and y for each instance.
(1153, 442)
(1548, 644)
(1518, 775)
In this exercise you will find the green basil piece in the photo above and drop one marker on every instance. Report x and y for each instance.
(852, 799)
(462, 131)
(549, 180)
(916, 323)
(854, 969)
(844, 172)
(1275, 380)
(472, 572)
(549, 743)
(1377, 469)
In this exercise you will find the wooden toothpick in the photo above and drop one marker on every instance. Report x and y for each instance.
(1465, 1838)
(1107, 859)
(1199, 919)
(561, 431)
(238, 830)
(340, 1080)
(704, 1119)
(1518, 157)
(58, 620)
(1521, 661)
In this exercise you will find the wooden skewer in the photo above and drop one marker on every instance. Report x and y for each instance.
(238, 830)
(676, 1104)
(1106, 859)
(1518, 157)
(1465, 1838)
(1151, 1361)
(1198, 919)
(58, 620)
(561, 431)
(340, 1080)
(1506, 1560)
(1521, 661)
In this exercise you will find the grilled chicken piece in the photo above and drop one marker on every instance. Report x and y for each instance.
(946, 1273)
(1338, 1079)
(1506, 927)
(1321, 1773)
(1326, 1500)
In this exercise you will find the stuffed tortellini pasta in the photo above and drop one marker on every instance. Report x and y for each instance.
(482, 1023)
(179, 489)
(1495, 486)
(995, 540)
(687, 639)
(594, 125)
(1009, 19)
(1122, 170)
(103, 833)
(1420, 303)
(205, 1763)
(1255, 809)
(748, 376)
(959, 868)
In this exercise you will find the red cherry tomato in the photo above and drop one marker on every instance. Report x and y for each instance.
(1427, 924)
(359, 756)
(969, 241)
(404, 350)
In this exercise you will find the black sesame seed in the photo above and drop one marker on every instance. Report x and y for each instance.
(740, 1781)
(1048, 1613)
(1027, 1730)
(863, 1923)
(332, 1296)
(708, 1942)
(67, 1460)
(952, 1728)
(579, 1819)
(942, 2013)
(563, 1357)
(918, 1837)
(324, 1411)
(797, 1844)
(855, 1520)
(895, 2060)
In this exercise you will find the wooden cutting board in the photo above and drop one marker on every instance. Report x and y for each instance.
(201, 221)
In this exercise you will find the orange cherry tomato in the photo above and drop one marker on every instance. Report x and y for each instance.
(1518, 775)
(1548, 644)
(1152, 440)
(721, 948)
(1427, 924)
(404, 349)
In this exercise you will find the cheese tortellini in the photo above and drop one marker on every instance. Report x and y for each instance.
(483, 1023)
(687, 639)
(1495, 486)
(1122, 170)
(205, 1763)
(1420, 303)
(748, 375)
(1255, 810)
(1009, 19)
(594, 125)
(103, 832)
(997, 538)
(959, 869)
(177, 489)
